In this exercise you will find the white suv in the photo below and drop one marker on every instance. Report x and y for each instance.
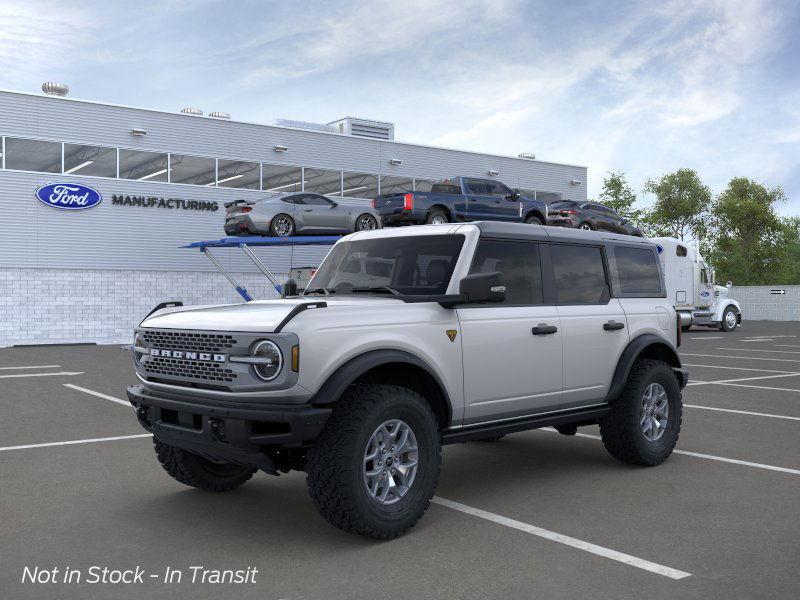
(473, 331)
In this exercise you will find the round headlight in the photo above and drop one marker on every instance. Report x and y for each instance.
(271, 367)
(138, 342)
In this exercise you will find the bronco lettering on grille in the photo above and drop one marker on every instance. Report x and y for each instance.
(204, 356)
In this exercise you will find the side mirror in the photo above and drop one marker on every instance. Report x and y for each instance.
(483, 287)
(289, 288)
(334, 204)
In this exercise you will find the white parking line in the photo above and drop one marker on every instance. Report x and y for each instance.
(40, 374)
(711, 337)
(791, 360)
(759, 350)
(743, 412)
(761, 387)
(758, 340)
(72, 442)
(737, 368)
(742, 379)
(31, 367)
(733, 461)
(564, 539)
(98, 394)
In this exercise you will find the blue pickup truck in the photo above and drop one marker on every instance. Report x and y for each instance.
(460, 199)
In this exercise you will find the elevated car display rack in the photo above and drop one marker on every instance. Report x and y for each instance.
(247, 243)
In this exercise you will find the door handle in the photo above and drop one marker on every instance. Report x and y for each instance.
(308, 210)
(613, 326)
(544, 329)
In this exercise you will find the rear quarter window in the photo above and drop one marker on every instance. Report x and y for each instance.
(637, 269)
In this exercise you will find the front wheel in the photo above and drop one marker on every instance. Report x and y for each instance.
(366, 223)
(376, 463)
(281, 226)
(729, 320)
(533, 220)
(199, 472)
(643, 425)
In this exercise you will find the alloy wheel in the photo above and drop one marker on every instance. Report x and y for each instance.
(282, 226)
(390, 461)
(367, 223)
(654, 412)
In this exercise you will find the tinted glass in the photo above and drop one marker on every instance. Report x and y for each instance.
(579, 274)
(33, 155)
(495, 188)
(195, 170)
(476, 186)
(446, 186)
(238, 174)
(563, 204)
(360, 185)
(638, 271)
(144, 166)
(280, 178)
(681, 251)
(409, 264)
(321, 181)
(90, 160)
(316, 200)
(519, 264)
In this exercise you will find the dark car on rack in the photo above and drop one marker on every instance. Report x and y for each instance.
(460, 199)
(591, 216)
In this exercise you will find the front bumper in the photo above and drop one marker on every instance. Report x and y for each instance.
(228, 431)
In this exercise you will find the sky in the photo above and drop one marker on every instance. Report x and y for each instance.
(639, 87)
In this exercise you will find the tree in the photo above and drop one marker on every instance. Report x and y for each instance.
(750, 243)
(681, 205)
(618, 195)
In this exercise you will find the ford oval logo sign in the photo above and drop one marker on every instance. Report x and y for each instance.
(68, 196)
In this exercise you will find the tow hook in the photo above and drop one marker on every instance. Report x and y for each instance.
(143, 414)
(569, 429)
(217, 428)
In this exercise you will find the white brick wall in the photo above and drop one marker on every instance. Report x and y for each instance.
(52, 306)
(758, 303)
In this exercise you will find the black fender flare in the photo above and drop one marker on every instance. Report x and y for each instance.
(535, 212)
(348, 372)
(633, 351)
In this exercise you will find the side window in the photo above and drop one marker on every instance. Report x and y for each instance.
(316, 200)
(638, 271)
(293, 200)
(476, 186)
(519, 264)
(580, 276)
(445, 186)
(495, 188)
(681, 250)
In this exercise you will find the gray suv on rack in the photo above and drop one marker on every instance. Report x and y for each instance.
(407, 339)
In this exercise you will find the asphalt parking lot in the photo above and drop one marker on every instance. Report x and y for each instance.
(536, 515)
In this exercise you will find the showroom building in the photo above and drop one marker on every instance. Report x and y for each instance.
(162, 180)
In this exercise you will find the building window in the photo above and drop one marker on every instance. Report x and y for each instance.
(321, 181)
(33, 155)
(237, 174)
(194, 170)
(280, 178)
(359, 185)
(144, 166)
(423, 185)
(96, 161)
(396, 185)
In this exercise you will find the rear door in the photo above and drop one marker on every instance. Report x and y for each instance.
(512, 351)
(600, 218)
(593, 324)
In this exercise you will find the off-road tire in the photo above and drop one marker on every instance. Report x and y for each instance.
(436, 212)
(723, 325)
(334, 473)
(621, 431)
(533, 220)
(195, 471)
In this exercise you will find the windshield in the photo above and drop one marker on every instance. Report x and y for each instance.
(408, 265)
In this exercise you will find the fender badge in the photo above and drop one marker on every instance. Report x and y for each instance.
(452, 333)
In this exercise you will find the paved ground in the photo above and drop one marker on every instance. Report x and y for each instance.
(724, 510)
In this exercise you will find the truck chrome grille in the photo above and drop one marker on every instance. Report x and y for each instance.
(185, 340)
(187, 369)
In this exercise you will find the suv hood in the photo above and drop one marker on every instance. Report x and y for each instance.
(261, 316)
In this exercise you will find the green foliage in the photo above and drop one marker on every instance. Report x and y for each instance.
(681, 205)
(618, 195)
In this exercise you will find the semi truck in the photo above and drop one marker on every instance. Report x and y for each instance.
(692, 289)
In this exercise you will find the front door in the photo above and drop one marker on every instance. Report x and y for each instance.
(512, 350)
(594, 326)
(322, 214)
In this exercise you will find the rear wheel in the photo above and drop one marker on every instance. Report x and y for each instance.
(366, 222)
(586, 226)
(533, 220)
(729, 320)
(195, 471)
(643, 425)
(281, 226)
(436, 216)
(376, 464)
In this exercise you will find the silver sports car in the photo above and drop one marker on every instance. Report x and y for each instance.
(298, 213)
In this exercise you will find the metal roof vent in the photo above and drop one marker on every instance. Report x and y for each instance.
(51, 88)
(377, 130)
(219, 115)
(192, 111)
(527, 155)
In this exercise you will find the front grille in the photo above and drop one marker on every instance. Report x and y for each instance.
(191, 369)
(184, 340)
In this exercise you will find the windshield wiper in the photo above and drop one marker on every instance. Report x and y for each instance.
(375, 290)
(324, 291)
